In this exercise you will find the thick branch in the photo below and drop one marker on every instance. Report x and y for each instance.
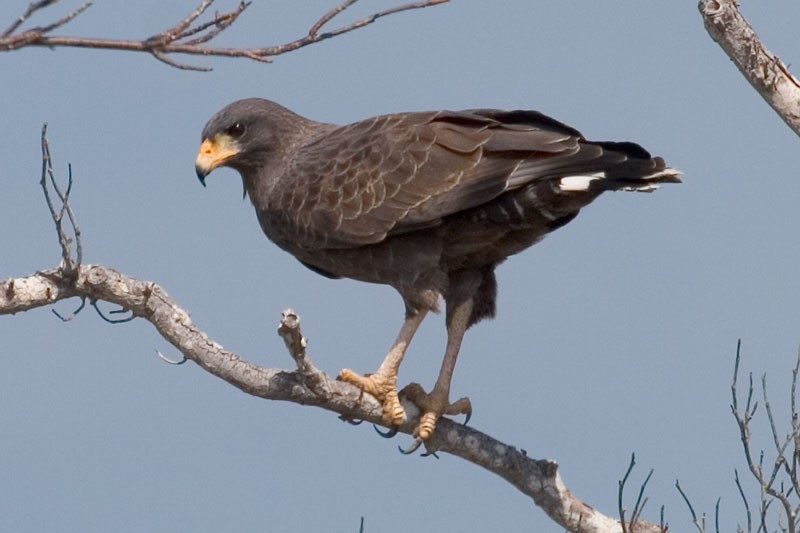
(538, 479)
(187, 36)
(765, 71)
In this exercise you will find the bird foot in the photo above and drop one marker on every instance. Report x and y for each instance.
(384, 389)
(433, 406)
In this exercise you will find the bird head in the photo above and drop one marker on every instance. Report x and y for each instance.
(244, 135)
(217, 150)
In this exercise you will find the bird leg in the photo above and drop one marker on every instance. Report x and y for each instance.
(437, 403)
(383, 383)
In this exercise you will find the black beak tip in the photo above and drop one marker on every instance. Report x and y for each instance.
(201, 176)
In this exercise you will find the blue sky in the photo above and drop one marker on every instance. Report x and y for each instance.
(614, 335)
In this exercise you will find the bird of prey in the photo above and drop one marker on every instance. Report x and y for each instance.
(427, 202)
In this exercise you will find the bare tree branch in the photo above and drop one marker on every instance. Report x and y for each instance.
(47, 182)
(32, 8)
(187, 36)
(744, 500)
(305, 385)
(777, 482)
(764, 70)
(700, 523)
(772, 486)
(629, 526)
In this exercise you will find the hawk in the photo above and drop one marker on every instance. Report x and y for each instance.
(427, 202)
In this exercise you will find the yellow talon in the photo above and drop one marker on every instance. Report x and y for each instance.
(427, 423)
(384, 389)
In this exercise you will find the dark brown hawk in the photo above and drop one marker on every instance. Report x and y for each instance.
(429, 203)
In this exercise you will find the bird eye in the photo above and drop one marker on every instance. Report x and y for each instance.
(235, 131)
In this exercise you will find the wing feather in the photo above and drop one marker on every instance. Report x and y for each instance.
(393, 174)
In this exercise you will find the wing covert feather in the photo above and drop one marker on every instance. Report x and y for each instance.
(399, 173)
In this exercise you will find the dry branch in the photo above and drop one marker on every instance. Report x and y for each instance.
(538, 479)
(188, 36)
(306, 385)
(777, 482)
(764, 70)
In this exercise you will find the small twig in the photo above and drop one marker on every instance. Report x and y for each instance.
(793, 473)
(743, 420)
(640, 503)
(700, 526)
(780, 460)
(746, 503)
(775, 439)
(67, 18)
(220, 23)
(621, 492)
(780, 447)
(32, 8)
(182, 66)
(48, 180)
(735, 402)
(67, 208)
(313, 35)
(327, 17)
(640, 500)
(169, 35)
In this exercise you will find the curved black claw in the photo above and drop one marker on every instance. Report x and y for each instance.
(71, 315)
(114, 312)
(466, 419)
(386, 434)
(170, 361)
(429, 454)
(411, 449)
(350, 420)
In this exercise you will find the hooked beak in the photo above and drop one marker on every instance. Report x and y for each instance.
(212, 154)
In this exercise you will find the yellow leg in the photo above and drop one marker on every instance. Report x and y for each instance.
(437, 403)
(383, 383)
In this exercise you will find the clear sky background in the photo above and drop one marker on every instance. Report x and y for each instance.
(616, 334)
